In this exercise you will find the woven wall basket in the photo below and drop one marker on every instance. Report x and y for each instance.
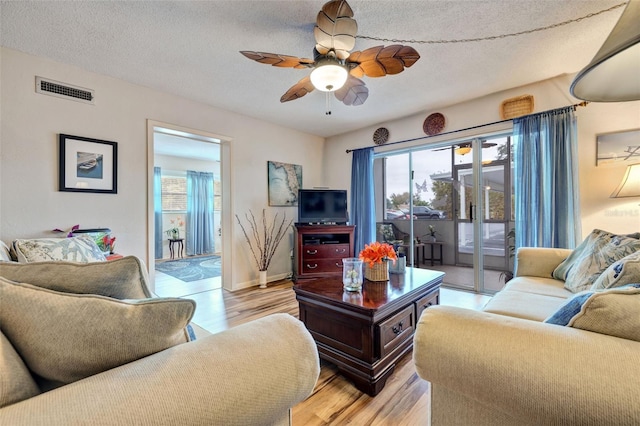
(516, 107)
(377, 272)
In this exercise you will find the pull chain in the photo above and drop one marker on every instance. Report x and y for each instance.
(327, 101)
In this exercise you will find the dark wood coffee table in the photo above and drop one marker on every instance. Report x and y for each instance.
(365, 334)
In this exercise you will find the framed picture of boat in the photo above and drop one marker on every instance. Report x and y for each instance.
(87, 165)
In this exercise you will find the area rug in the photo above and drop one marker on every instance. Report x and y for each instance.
(191, 268)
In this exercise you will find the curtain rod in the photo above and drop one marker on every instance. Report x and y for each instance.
(581, 104)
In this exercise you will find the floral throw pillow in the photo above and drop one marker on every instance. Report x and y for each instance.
(76, 249)
(592, 257)
(625, 271)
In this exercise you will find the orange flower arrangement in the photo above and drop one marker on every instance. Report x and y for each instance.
(377, 252)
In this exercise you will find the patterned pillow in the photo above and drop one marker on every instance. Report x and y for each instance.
(5, 254)
(624, 271)
(385, 232)
(592, 257)
(76, 249)
(613, 312)
(64, 337)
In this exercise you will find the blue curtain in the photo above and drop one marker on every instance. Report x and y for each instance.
(363, 214)
(547, 204)
(199, 238)
(157, 210)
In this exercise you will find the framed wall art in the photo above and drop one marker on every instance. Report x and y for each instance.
(618, 148)
(87, 165)
(284, 182)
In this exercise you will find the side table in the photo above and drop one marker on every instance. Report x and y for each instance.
(179, 243)
(433, 244)
(416, 257)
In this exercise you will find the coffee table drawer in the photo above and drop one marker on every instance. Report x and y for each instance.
(430, 299)
(396, 330)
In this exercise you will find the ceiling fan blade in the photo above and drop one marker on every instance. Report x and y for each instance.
(277, 60)
(298, 90)
(464, 145)
(380, 60)
(354, 92)
(335, 29)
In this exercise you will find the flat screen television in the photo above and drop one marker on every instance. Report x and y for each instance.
(325, 206)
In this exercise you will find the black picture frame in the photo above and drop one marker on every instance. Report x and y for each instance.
(87, 165)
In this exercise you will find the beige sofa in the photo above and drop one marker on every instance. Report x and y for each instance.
(505, 366)
(248, 375)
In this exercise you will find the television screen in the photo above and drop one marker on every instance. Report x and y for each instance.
(322, 206)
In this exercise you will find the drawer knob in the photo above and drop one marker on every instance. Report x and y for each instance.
(341, 250)
(427, 305)
(312, 251)
(315, 265)
(339, 265)
(397, 330)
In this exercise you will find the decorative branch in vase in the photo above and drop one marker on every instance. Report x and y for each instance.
(432, 233)
(263, 241)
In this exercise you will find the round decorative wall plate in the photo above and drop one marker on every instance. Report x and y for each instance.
(380, 136)
(433, 124)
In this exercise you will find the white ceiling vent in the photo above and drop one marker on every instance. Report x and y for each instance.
(64, 90)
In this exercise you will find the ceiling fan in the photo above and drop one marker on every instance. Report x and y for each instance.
(335, 69)
(465, 147)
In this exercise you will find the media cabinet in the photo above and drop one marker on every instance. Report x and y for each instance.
(319, 250)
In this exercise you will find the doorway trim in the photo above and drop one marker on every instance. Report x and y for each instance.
(225, 222)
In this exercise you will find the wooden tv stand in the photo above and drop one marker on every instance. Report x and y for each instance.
(319, 250)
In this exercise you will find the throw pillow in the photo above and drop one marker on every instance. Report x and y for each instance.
(124, 278)
(385, 232)
(583, 249)
(76, 249)
(613, 312)
(5, 254)
(65, 337)
(16, 383)
(624, 271)
(585, 264)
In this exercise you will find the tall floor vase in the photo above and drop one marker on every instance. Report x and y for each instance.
(262, 279)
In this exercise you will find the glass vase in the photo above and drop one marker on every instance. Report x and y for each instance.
(352, 274)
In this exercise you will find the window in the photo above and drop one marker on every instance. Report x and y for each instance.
(432, 191)
(174, 193)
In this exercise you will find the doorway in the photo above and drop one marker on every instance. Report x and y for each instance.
(187, 210)
(461, 194)
(483, 213)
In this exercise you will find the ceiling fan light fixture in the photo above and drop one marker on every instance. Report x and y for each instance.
(463, 150)
(329, 75)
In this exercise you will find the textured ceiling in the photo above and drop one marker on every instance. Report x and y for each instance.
(191, 49)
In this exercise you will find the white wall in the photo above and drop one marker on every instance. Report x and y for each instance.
(596, 183)
(31, 204)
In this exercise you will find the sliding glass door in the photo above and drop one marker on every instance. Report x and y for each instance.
(483, 212)
(462, 193)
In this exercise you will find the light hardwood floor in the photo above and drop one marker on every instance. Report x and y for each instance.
(335, 401)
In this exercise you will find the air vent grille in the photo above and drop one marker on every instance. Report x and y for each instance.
(63, 90)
